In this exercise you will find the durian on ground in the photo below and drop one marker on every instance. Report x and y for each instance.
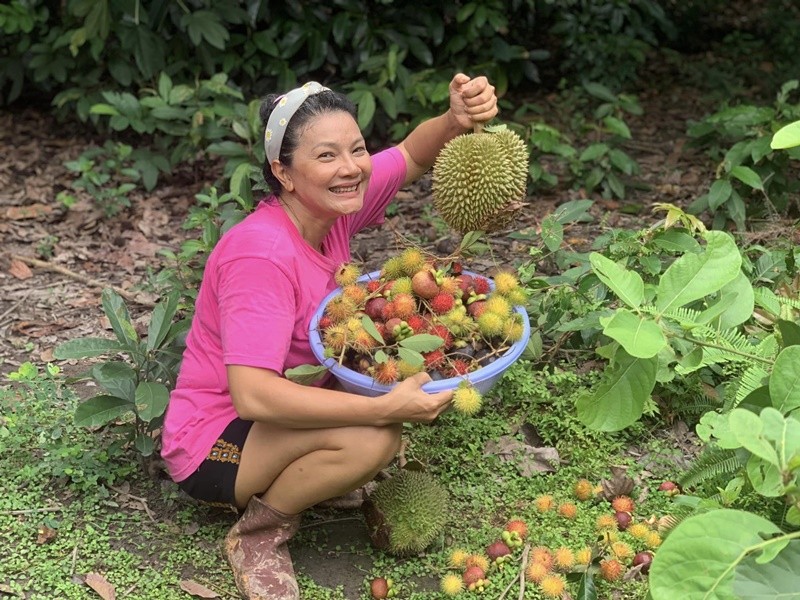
(480, 179)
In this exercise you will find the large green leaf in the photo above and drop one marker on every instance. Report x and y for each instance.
(151, 400)
(734, 305)
(639, 335)
(117, 313)
(305, 374)
(700, 557)
(779, 578)
(100, 410)
(694, 276)
(784, 383)
(628, 285)
(786, 137)
(619, 399)
(86, 348)
(422, 342)
(161, 320)
(117, 378)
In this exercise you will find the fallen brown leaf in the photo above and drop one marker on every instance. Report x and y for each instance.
(45, 535)
(195, 589)
(101, 585)
(20, 270)
(18, 213)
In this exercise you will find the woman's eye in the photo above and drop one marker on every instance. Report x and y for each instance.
(360, 150)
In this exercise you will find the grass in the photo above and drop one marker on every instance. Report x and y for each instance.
(78, 503)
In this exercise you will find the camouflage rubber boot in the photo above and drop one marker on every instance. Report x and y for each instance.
(256, 550)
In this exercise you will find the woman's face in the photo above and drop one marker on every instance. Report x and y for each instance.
(330, 166)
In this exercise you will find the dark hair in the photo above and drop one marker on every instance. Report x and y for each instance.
(313, 106)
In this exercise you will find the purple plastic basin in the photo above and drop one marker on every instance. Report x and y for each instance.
(483, 379)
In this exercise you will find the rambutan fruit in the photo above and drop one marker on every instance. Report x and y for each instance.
(513, 329)
(363, 342)
(517, 297)
(670, 488)
(611, 569)
(386, 372)
(477, 560)
(407, 369)
(544, 503)
(652, 539)
(535, 572)
(583, 556)
(481, 285)
(374, 285)
(355, 292)
(473, 574)
(402, 285)
(458, 558)
(498, 304)
(443, 332)
(568, 510)
(442, 303)
(335, 338)
(552, 586)
(404, 305)
(563, 558)
(465, 283)
(417, 323)
(643, 561)
(490, 324)
(541, 554)
(424, 284)
(388, 311)
(466, 399)
(458, 367)
(392, 268)
(583, 490)
(621, 551)
(517, 526)
(606, 523)
(451, 584)
(476, 308)
(347, 274)
(450, 285)
(433, 359)
(340, 309)
(505, 281)
(640, 531)
(623, 503)
(324, 322)
(412, 260)
(623, 519)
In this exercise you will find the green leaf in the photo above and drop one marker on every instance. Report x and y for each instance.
(205, 24)
(305, 374)
(366, 109)
(734, 305)
(369, 326)
(694, 276)
(144, 444)
(87, 348)
(617, 127)
(619, 399)
(784, 383)
(790, 333)
(161, 320)
(422, 342)
(412, 357)
(593, 152)
(675, 240)
(151, 400)
(573, 211)
(627, 285)
(719, 193)
(103, 109)
(100, 410)
(587, 590)
(777, 578)
(117, 378)
(639, 335)
(787, 136)
(698, 559)
(747, 427)
(747, 176)
(117, 313)
(552, 233)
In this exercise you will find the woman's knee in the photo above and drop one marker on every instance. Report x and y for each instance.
(377, 446)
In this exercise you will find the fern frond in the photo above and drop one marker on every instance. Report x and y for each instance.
(685, 317)
(793, 302)
(713, 463)
(752, 378)
(729, 345)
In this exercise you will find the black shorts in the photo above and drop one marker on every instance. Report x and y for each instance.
(214, 480)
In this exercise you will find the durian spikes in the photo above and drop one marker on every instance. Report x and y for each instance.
(480, 179)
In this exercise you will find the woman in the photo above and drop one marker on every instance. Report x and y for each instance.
(237, 432)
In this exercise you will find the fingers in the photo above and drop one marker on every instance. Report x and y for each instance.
(478, 97)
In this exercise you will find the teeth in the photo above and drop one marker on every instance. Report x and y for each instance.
(340, 190)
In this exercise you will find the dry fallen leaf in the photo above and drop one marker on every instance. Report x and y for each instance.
(20, 270)
(45, 535)
(528, 459)
(101, 585)
(195, 589)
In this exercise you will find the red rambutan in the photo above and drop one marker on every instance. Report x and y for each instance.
(481, 285)
(442, 303)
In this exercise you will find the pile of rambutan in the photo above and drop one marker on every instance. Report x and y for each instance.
(421, 314)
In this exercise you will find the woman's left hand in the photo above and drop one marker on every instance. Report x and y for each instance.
(472, 100)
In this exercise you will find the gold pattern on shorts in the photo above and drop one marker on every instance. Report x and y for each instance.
(225, 452)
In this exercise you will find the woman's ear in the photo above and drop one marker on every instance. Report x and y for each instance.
(282, 173)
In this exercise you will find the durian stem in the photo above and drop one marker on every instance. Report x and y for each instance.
(477, 128)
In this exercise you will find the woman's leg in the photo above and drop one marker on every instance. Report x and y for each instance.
(300, 467)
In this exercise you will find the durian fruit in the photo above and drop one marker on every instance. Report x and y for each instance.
(406, 513)
(479, 179)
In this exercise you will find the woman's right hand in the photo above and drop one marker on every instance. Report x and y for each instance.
(410, 403)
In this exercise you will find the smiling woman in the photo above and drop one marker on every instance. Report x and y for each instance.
(236, 430)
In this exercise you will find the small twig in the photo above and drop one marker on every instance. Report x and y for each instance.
(74, 560)
(82, 278)
(15, 306)
(523, 561)
(29, 511)
(142, 501)
(327, 521)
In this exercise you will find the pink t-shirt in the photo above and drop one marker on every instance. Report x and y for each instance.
(261, 286)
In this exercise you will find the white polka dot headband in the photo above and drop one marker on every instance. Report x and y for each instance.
(285, 107)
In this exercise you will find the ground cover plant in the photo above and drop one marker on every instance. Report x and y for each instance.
(652, 419)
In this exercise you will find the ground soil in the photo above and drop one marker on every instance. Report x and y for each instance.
(79, 251)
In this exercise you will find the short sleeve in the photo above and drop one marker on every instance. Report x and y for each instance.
(256, 320)
(388, 174)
